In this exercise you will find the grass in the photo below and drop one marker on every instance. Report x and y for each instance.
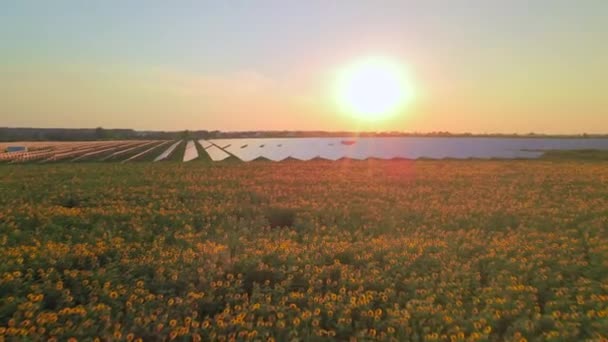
(590, 155)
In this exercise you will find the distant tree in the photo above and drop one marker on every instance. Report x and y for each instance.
(100, 133)
(185, 134)
(105, 134)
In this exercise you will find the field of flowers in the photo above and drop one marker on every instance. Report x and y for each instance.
(305, 251)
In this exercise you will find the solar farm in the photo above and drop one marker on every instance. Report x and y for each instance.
(186, 150)
(104, 151)
(182, 150)
(163, 150)
(157, 240)
(278, 149)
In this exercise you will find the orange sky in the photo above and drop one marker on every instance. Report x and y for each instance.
(503, 68)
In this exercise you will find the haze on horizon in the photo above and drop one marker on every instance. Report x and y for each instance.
(477, 66)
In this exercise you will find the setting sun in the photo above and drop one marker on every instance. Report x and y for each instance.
(373, 89)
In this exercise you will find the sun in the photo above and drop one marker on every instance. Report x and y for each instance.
(373, 88)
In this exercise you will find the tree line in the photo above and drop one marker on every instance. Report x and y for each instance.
(100, 133)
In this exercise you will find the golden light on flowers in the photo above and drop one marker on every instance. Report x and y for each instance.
(491, 252)
(373, 88)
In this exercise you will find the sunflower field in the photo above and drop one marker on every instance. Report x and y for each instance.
(305, 251)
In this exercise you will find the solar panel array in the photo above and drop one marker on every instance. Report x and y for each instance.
(167, 152)
(214, 152)
(191, 152)
(402, 147)
(296, 148)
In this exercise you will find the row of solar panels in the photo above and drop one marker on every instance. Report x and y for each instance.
(121, 151)
(302, 149)
(338, 148)
(389, 148)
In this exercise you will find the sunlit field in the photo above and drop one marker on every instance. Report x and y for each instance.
(347, 250)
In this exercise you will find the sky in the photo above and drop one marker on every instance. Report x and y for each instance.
(481, 66)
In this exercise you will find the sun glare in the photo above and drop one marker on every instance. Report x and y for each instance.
(373, 89)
